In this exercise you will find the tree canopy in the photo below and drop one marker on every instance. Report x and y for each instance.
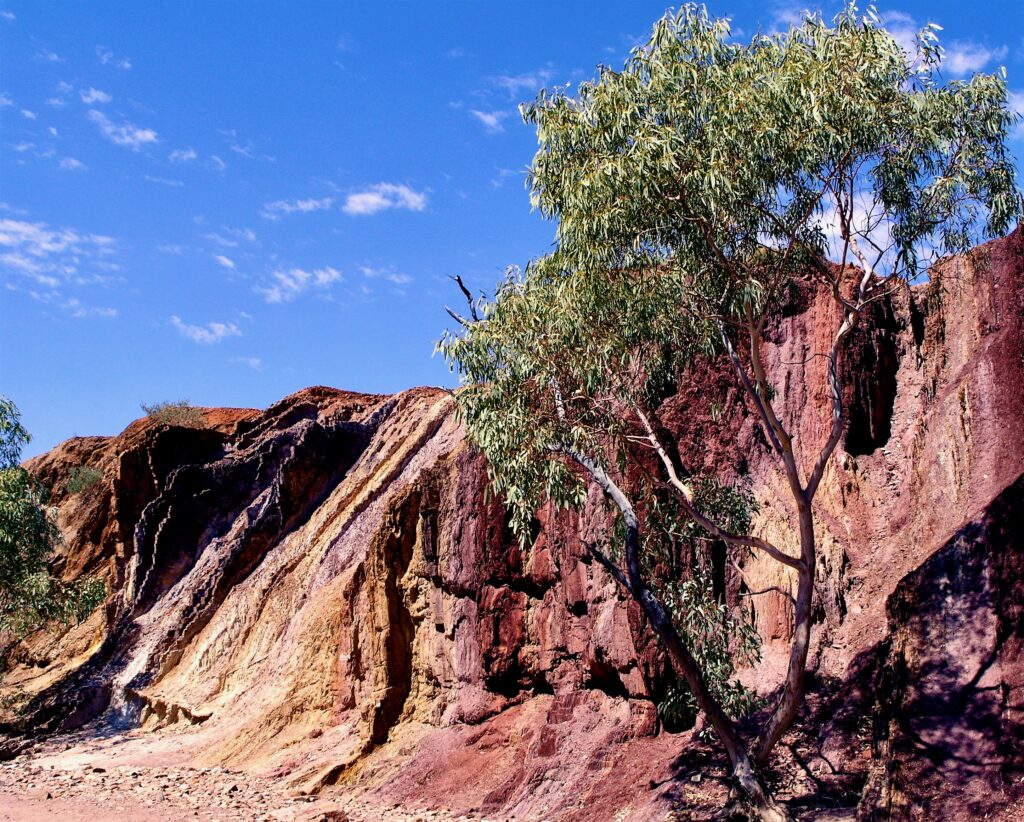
(691, 187)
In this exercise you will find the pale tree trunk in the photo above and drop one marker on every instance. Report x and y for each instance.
(793, 691)
(744, 771)
(746, 774)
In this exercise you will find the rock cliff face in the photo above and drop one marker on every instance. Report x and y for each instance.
(325, 593)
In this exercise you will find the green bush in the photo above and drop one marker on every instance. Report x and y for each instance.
(181, 413)
(82, 478)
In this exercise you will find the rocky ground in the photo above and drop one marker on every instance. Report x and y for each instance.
(82, 781)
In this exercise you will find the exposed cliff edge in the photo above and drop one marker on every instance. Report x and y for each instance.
(324, 592)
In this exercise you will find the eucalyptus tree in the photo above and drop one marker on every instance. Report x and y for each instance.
(691, 189)
(30, 596)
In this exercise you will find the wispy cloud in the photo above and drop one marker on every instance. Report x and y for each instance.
(786, 15)
(502, 174)
(208, 334)
(218, 163)
(963, 57)
(279, 208)
(227, 262)
(182, 155)
(77, 310)
(289, 284)
(1015, 101)
(8, 15)
(389, 274)
(231, 241)
(71, 164)
(48, 56)
(490, 119)
(255, 363)
(124, 134)
(5, 99)
(94, 95)
(50, 260)
(107, 58)
(382, 197)
(48, 255)
(164, 181)
(242, 147)
(517, 84)
(27, 114)
(904, 30)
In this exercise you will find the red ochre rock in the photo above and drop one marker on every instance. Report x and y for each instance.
(324, 593)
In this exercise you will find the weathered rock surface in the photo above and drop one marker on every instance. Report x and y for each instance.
(322, 594)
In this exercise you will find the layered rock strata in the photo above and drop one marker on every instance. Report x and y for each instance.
(324, 592)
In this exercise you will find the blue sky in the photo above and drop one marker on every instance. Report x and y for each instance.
(226, 201)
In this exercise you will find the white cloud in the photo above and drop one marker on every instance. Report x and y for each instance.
(389, 274)
(240, 233)
(49, 56)
(382, 197)
(964, 57)
(126, 134)
(208, 334)
(8, 15)
(171, 248)
(255, 363)
(218, 163)
(27, 114)
(53, 258)
(39, 241)
(502, 174)
(5, 99)
(786, 15)
(1015, 101)
(80, 311)
(289, 284)
(227, 262)
(490, 119)
(868, 223)
(182, 155)
(164, 181)
(107, 58)
(71, 164)
(275, 210)
(903, 29)
(961, 57)
(517, 84)
(244, 233)
(94, 95)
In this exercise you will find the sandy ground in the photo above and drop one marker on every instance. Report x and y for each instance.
(128, 778)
